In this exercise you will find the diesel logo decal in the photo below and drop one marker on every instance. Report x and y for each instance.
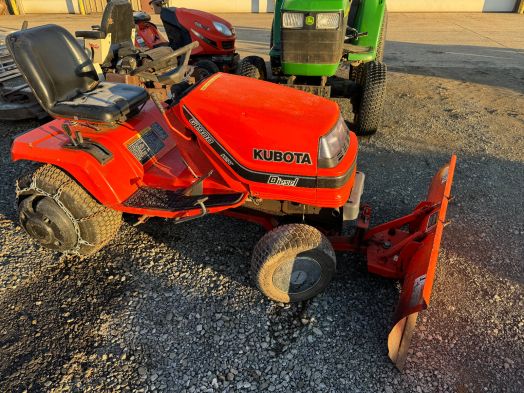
(283, 181)
(288, 157)
(206, 135)
(227, 159)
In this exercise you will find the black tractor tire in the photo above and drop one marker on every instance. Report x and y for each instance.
(60, 215)
(204, 69)
(253, 67)
(370, 108)
(355, 72)
(293, 263)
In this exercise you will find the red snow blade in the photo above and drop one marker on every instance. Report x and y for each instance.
(418, 262)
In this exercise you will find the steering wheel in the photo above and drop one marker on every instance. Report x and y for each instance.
(159, 3)
(178, 69)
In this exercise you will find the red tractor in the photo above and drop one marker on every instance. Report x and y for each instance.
(228, 144)
(216, 37)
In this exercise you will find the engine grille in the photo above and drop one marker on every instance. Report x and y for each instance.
(228, 44)
(311, 46)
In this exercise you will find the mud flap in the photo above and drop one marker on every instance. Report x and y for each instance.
(419, 270)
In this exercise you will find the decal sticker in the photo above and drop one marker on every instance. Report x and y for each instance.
(283, 181)
(200, 128)
(416, 294)
(265, 177)
(289, 157)
(209, 82)
(310, 20)
(148, 143)
(227, 159)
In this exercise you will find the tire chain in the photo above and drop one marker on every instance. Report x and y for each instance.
(56, 197)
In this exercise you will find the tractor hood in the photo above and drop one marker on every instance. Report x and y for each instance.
(312, 6)
(263, 126)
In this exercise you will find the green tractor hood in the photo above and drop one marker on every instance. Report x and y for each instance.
(317, 60)
(313, 6)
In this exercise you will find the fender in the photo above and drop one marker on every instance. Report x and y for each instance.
(109, 184)
(369, 18)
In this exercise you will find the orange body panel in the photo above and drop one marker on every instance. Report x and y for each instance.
(231, 118)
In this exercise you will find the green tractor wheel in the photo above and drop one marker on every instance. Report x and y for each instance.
(369, 109)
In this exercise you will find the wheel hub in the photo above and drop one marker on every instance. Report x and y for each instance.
(45, 221)
(297, 275)
(38, 228)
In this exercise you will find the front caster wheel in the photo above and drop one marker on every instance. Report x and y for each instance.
(293, 263)
(60, 215)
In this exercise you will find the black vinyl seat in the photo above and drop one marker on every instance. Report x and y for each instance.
(117, 20)
(115, 12)
(64, 79)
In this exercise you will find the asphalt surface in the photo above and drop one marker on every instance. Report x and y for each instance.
(169, 307)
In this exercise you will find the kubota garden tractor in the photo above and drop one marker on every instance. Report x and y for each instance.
(213, 149)
(216, 37)
(310, 40)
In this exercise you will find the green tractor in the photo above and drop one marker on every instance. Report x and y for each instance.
(312, 42)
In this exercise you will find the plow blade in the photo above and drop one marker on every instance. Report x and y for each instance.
(419, 269)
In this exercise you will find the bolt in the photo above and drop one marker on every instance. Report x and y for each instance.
(386, 245)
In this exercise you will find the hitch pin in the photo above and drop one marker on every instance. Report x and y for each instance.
(141, 220)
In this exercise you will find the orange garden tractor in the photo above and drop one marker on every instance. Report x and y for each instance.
(288, 164)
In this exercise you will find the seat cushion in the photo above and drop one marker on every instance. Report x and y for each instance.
(107, 103)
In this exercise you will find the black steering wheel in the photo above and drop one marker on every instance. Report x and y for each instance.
(159, 3)
(174, 68)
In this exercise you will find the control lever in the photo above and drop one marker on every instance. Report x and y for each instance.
(354, 34)
(189, 190)
(69, 133)
(163, 112)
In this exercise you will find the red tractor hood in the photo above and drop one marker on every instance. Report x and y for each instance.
(264, 126)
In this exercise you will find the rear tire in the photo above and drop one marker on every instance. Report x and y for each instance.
(253, 67)
(60, 215)
(293, 263)
(370, 108)
(204, 69)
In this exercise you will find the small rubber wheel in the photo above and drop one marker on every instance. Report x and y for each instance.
(60, 215)
(204, 69)
(253, 67)
(293, 263)
(369, 109)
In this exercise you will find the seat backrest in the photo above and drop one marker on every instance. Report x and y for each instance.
(54, 64)
(118, 21)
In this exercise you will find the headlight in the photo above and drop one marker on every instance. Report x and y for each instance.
(328, 21)
(292, 20)
(222, 28)
(334, 145)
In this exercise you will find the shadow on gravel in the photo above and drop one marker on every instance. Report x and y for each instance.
(49, 325)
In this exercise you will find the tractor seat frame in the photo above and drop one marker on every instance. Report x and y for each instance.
(64, 79)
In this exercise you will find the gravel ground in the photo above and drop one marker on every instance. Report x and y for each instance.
(171, 308)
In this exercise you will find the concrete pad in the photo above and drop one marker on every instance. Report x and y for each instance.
(445, 40)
